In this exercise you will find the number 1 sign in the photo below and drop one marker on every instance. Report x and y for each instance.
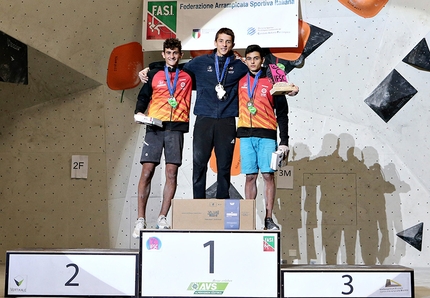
(210, 263)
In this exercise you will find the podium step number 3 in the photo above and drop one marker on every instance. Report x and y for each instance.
(347, 281)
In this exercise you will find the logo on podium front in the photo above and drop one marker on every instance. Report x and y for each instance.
(268, 243)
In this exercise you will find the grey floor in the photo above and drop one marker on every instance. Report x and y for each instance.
(422, 282)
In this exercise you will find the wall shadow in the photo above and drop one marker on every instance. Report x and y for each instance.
(344, 207)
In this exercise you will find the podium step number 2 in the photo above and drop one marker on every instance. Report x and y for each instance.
(55, 273)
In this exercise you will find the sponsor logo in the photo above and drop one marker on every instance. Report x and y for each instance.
(213, 213)
(19, 285)
(207, 288)
(18, 280)
(391, 283)
(153, 243)
(392, 286)
(231, 214)
(161, 83)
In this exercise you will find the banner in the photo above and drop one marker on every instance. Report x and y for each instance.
(268, 23)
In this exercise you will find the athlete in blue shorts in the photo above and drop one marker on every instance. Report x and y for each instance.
(260, 114)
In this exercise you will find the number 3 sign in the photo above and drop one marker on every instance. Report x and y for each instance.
(347, 281)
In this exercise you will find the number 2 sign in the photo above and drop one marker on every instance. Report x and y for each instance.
(67, 273)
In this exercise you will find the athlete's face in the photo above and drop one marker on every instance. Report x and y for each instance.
(172, 56)
(254, 61)
(224, 44)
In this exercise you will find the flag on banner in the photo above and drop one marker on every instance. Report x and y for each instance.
(196, 33)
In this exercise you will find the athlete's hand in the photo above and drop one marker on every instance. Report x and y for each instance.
(294, 92)
(143, 75)
(284, 148)
(238, 56)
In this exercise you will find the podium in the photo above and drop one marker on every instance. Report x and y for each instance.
(176, 263)
(235, 263)
(69, 273)
(347, 281)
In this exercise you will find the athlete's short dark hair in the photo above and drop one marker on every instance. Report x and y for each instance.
(172, 43)
(254, 48)
(227, 31)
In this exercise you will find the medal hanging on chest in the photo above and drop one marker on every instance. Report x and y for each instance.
(219, 88)
(172, 102)
(251, 108)
(172, 88)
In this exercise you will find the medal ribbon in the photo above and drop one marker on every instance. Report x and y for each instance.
(227, 61)
(171, 88)
(254, 85)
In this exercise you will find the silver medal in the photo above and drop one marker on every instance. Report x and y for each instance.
(220, 91)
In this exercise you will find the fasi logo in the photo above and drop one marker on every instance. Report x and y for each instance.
(161, 19)
(268, 243)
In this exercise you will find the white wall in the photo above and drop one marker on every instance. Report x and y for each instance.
(334, 82)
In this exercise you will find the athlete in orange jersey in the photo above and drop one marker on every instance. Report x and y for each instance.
(167, 97)
(260, 114)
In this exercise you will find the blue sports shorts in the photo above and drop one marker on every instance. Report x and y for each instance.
(256, 154)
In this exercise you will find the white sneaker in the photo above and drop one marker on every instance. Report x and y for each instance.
(162, 223)
(139, 225)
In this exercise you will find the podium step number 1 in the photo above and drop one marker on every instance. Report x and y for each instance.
(210, 263)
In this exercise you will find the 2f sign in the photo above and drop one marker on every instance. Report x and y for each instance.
(285, 177)
(79, 166)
